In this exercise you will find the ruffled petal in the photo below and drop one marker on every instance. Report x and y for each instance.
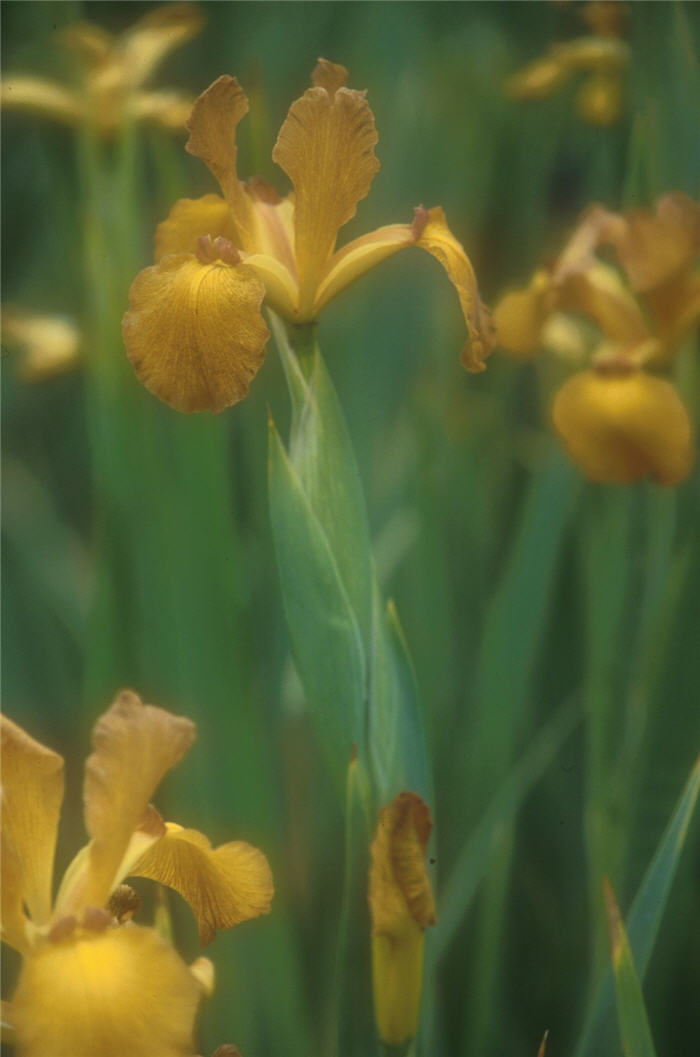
(326, 147)
(135, 745)
(655, 247)
(114, 992)
(224, 885)
(622, 427)
(42, 97)
(435, 237)
(32, 793)
(188, 220)
(148, 41)
(194, 332)
(212, 127)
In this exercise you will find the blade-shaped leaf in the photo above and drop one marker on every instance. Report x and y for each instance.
(631, 1011)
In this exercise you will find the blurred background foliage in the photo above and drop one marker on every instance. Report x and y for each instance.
(137, 546)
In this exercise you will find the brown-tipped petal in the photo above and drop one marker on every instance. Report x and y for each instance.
(42, 97)
(520, 316)
(399, 887)
(439, 241)
(655, 247)
(135, 745)
(224, 885)
(329, 75)
(106, 993)
(212, 126)
(326, 147)
(194, 332)
(158, 32)
(189, 219)
(623, 427)
(32, 793)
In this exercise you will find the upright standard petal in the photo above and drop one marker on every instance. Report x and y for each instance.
(622, 427)
(135, 746)
(150, 39)
(433, 235)
(106, 993)
(401, 905)
(194, 332)
(212, 127)
(655, 247)
(32, 793)
(224, 885)
(326, 147)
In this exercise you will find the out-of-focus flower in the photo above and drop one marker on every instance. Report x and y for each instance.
(618, 421)
(92, 982)
(47, 345)
(402, 907)
(194, 331)
(602, 57)
(114, 72)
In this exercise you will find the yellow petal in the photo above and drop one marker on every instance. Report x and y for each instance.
(194, 332)
(675, 307)
(598, 292)
(329, 75)
(50, 344)
(32, 792)
(110, 993)
(92, 44)
(212, 127)
(438, 240)
(655, 247)
(621, 427)
(135, 745)
(158, 32)
(401, 906)
(399, 888)
(188, 220)
(599, 99)
(520, 316)
(359, 256)
(326, 147)
(537, 80)
(224, 885)
(168, 109)
(597, 54)
(42, 97)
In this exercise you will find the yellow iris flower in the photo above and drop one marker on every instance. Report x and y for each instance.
(194, 330)
(91, 981)
(602, 57)
(618, 421)
(114, 71)
(402, 907)
(47, 345)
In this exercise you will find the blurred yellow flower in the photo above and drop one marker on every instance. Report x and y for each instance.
(92, 982)
(194, 331)
(114, 71)
(618, 422)
(402, 907)
(48, 345)
(603, 57)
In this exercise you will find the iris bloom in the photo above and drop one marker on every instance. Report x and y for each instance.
(114, 72)
(602, 57)
(92, 982)
(618, 421)
(402, 907)
(48, 345)
(194, 331)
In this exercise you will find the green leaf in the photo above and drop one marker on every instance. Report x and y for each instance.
(635, 1032)
(323, 628)
(599, 1033)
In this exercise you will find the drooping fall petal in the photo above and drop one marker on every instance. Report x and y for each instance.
(135, 745)
(212, 127)
(401, 906)
(520, 316)
(434, 236)
(621, 427)
(42, 97)
(188, 220)
(326, 147)
(110, 993)
(32, 792)
(194, 332)
(224, 885)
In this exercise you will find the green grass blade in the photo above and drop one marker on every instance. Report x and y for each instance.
(631, 1011)
(598, 1035)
